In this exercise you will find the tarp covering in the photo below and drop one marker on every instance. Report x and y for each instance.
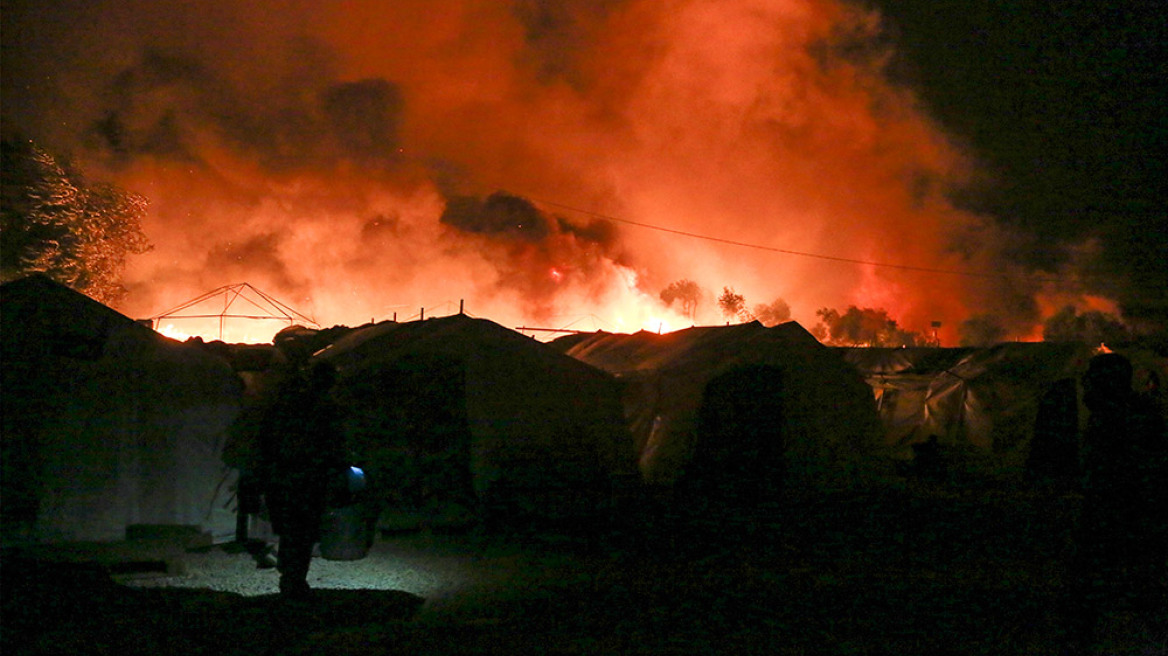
(457, 406)
(106, 423)
(981, 403)
(684, 390)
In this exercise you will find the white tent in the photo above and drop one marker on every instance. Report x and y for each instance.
(107, 424)
(462, 410)
(742, 399)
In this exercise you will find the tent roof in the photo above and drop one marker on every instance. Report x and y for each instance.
(904, 360)
(38, 310)
(523, 399)
(704, 347)
(829, 411)
(1018, 358)
(461, 336)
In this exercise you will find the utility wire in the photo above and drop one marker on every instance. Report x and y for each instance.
(820, 256)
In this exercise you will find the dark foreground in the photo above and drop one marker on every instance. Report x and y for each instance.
(900, 570)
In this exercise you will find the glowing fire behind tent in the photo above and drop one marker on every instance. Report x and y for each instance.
(235, 313)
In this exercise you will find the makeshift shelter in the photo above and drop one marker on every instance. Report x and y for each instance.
(457, 411)
(107, 424)
(982, 404)
(903, 380)
(741, 406)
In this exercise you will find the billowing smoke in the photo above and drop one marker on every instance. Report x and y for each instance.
(362, 159)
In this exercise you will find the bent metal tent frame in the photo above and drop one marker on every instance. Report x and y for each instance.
(238, 301)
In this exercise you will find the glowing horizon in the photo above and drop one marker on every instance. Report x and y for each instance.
(390, 156)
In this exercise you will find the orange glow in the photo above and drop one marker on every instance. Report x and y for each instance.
(236, 331)
(316, 151)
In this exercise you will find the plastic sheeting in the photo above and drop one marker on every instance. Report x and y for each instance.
(982, 403)
(829, 424)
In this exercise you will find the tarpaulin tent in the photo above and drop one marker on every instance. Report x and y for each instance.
(981, 403)
(462, 410)
(107, 424)
(904, 382)
(735, 401)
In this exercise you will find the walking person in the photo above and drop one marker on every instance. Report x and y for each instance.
(302, 448)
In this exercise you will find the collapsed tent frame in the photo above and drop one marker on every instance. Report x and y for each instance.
(232, 293)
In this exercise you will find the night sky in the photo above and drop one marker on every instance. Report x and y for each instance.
(1064, 106)
(346, 160)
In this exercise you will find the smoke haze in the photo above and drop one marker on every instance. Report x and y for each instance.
(362, 159)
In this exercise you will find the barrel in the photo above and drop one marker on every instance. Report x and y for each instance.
(344, 534)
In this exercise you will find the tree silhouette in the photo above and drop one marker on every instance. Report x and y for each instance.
(773, 314)
(864, 327)
(53, 222)
(734, 305)
(981, 330)
(686, 292)
(1090, 327)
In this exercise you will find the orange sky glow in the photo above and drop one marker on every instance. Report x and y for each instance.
(314, 153)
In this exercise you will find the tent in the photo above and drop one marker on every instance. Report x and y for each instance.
(982, 403)
(741, 406)
(903, 381)
(107, 424)
(461, 412)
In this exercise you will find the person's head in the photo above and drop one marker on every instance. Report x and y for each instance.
(1109, 376)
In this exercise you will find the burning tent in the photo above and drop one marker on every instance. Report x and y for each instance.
(107, 424)
(737, 406)
(457, 412)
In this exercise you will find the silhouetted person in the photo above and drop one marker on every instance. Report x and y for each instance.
(302, 449)
(1114, 541)
(1054, 449)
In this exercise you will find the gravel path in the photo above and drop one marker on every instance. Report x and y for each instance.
(453, 574)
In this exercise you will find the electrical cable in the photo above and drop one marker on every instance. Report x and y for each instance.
(773, 249)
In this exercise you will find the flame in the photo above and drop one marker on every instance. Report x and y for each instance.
(173, 332)
(321, 154)
(232, 330)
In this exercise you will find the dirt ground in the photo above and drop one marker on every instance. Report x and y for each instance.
(896, 570)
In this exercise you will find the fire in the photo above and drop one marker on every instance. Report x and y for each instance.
(235, 331)
(657, 325)
(173, 332)
(348, 161)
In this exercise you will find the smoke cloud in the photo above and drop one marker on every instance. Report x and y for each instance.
(363, 159)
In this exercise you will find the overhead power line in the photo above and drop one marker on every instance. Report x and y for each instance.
(773, 249)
